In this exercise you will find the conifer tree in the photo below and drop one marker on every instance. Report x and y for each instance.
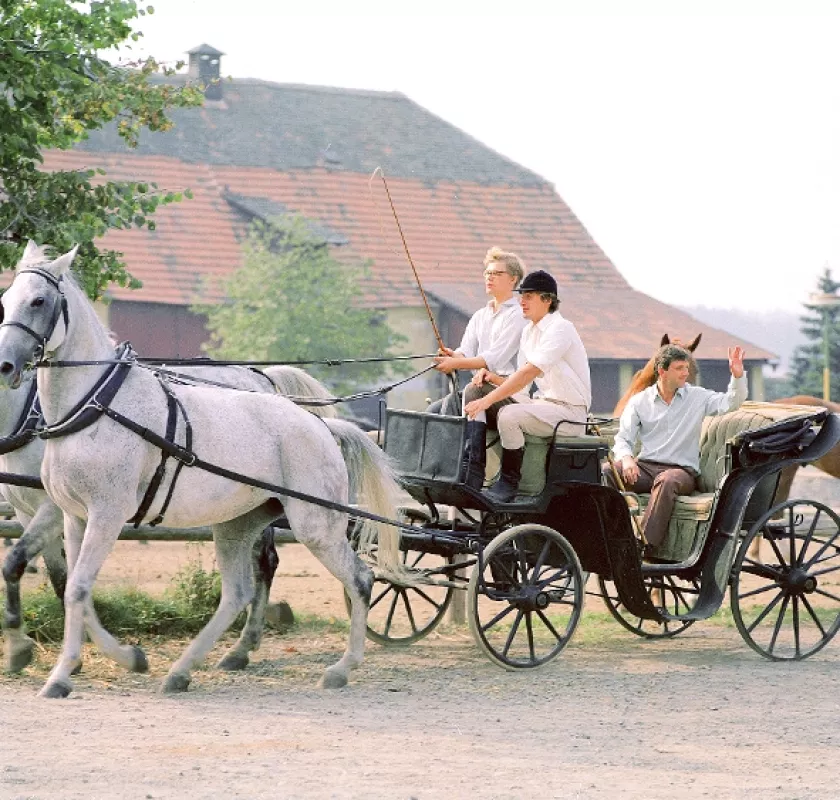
(809, 359)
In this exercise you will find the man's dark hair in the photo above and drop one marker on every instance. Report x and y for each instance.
(668, 354)
(552, 299)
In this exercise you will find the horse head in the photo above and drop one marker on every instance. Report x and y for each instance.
(646, 376)
(33, 307)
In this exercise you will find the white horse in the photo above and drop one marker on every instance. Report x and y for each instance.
(97, 471)
(43, 521)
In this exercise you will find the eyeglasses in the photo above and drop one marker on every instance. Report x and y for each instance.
(494, 273)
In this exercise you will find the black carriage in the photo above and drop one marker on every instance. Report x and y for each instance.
(524, 565)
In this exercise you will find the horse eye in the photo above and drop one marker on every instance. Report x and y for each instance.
(38, 301)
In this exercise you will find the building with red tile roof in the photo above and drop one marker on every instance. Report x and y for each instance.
(259, 150)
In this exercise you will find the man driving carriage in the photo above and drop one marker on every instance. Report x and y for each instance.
(666, 418)
(491, 339)
(552, 355)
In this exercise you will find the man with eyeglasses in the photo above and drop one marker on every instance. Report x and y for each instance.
(491, 339)
(551, 355)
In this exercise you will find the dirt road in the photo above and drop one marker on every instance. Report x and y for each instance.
(701, 716)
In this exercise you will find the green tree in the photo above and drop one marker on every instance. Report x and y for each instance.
(809, 359)
(57, 87)
(292, 301)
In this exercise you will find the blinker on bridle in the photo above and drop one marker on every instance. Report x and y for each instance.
(60, 311)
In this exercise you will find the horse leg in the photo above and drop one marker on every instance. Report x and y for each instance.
(234, 542)
(265, 562)
(324, 532)
(87, 546)
(19, 647)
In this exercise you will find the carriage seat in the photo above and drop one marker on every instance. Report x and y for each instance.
(693, 513)
(536, 457)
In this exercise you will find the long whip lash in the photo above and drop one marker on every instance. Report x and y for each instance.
(407, 253)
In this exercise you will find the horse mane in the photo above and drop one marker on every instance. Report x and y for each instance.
(646, 376)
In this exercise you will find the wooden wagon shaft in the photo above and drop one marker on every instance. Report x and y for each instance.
(10, 529)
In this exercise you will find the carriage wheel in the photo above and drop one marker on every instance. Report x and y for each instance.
(787, 604)
(400, 615)
(676, 595)
(525, 598)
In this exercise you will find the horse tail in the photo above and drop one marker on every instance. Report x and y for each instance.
(372, 481)
(296, 384)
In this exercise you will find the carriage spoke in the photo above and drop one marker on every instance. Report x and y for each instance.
(389, 587)
(829, 595)
(552, 578)
(389, 620)
(498, 618)
(796, 646)
(825, 571)
(778, 625)
(760, 590)
(778, 552)
(818, 555)
(547, 622)
(541, 558)
(808, 537)
(430, 600)
(408, 611)
(530, 631)
(814, 616)
(512, 634)
(760, 618)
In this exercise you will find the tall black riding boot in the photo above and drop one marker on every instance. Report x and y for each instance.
(475, 455)
(504, 490)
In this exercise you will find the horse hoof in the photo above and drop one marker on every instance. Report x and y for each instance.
(141, 663)
(233, 662)
(56, 690)
(175, 683)
(333, 680)
(20, 657)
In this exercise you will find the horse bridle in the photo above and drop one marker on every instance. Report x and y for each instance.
(60, 311)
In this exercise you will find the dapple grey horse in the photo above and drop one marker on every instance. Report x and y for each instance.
(98, 469)
(43, 521)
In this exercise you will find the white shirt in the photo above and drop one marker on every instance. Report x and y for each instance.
(670, 434)
(554, 347)
(494, 336)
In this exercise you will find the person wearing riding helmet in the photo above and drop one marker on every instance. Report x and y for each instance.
(551, 355)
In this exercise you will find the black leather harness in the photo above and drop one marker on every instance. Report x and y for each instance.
(97, 402)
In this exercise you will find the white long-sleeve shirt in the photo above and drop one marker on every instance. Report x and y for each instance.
(555, 348)
(670, 434)
(494, 336)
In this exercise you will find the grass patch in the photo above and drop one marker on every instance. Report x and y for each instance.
(183, 611)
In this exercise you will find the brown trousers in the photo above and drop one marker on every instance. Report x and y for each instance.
(665, 482)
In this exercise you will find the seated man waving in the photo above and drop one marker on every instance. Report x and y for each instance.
(667, 418)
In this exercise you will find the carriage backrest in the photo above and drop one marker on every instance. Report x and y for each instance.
(719, 430)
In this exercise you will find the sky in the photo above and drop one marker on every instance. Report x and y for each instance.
(697, 142)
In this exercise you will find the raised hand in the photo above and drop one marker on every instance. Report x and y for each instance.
(736, 361)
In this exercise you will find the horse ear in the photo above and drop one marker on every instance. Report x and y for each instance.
(62, 263)
(30, 250)
(693, 346)
(665, 340)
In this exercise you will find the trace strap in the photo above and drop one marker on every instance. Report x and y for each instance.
(190, 459)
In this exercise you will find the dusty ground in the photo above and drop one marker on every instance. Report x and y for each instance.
(614, 716)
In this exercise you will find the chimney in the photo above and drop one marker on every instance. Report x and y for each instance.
(205, 68)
